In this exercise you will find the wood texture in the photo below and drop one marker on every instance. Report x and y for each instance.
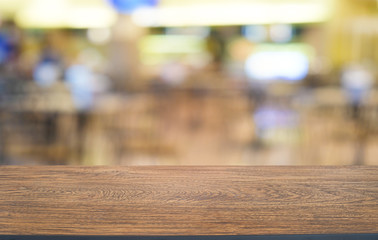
(188, 200)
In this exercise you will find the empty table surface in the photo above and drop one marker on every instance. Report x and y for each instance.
(61, 200)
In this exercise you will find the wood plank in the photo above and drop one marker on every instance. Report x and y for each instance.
(188, 200)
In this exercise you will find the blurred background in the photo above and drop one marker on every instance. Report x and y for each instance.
(188, 82)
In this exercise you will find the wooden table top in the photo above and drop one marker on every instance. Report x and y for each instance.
(53, 200)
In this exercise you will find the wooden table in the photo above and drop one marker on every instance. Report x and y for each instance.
(146, 201)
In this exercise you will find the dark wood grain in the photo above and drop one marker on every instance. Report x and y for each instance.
(188, 200)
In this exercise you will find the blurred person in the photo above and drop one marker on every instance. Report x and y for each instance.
(49, 67)
(10, 38)
(29, 56)
(47, 72)
(124, 58)
(357, 81)
(84, 84)
(216, 46)
(270, 119)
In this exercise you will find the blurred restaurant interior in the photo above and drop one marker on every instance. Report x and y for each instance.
(188, 82)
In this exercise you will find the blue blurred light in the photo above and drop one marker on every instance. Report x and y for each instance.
(128, 6)
(255, 33)
(46, 73)
(79, 79)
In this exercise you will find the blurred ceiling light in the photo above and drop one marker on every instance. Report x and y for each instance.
(42, 13)
(90, 17)
(65, 13)
(99, 36)
(272, 66)
(145, 17)
(234, 13)
(271, 62)
(57, 13)
(162, 44)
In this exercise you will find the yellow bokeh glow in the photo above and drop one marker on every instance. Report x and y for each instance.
(207, 13)
(64, 13)
(99, 14)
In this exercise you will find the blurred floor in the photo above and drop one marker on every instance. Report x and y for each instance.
(193, 128)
